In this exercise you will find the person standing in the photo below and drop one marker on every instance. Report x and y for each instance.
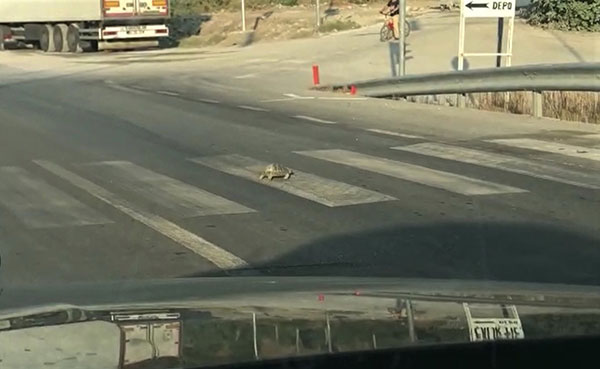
(392, 8)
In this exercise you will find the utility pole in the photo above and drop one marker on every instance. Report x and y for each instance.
(402, 41)
(243, 15)
(318, 14)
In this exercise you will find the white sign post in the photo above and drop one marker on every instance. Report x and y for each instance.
(485, 9)
(488, 8)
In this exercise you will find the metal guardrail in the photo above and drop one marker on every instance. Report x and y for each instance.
(534, 78)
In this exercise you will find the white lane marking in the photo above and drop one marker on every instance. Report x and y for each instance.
(295, 61)
(213, 253)
(253, 108)
(391, 133)
(278, 100)
(312, 119)
(183, 199)
(412, 173)
(506, 163)
(309, 186)
(39, 205)
(294, 96)
(263, 60)
(551, 147)
(209, 101)
(221, 86)
(245, 76)
(332, 98)
(168, 93)
(125, 88)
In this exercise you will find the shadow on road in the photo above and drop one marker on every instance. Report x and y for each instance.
(471, 250)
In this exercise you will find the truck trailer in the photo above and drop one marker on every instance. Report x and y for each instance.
(76, 25)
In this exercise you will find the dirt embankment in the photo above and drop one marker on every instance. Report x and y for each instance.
(279, 22)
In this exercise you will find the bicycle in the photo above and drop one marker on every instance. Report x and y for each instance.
(387, 29)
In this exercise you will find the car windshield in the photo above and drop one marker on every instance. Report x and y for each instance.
(204, 182)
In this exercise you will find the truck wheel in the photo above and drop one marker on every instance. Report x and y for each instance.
(5, 33)
(73, 39)
(60, 37)
(94, 45)
(2, 38)
(47, 38)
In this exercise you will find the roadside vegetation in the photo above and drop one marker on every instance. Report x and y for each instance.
(564, 105)
(568, 15)
(338, 25)
(200, 23)
(191, 7)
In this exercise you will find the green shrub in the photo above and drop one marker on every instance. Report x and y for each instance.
(575, 15)
(338, 25)
(192, 7)
(288, 2)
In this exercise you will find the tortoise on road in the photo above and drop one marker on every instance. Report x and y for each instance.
(276, 171)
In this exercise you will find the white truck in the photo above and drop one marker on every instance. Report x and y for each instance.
(74, 25)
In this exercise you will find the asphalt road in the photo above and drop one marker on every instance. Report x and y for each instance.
(101, 183)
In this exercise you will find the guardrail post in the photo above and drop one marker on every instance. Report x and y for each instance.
(461, 100)
(411, 321)
(537, 104)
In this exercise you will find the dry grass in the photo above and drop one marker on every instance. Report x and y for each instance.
(572, 106)
(336, 25)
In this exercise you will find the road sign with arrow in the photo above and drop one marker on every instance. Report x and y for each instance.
(488, 8)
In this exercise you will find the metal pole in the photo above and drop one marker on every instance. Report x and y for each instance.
(499, 42)
(297, 341)
(318, 14)
(411, 321)
(254, 335)
(243, 15)
(374, 341)
(537, 104)
(277, 333)
(461, 38)
(509, 42)
(329, 346)
(460, 98)
(402, 41)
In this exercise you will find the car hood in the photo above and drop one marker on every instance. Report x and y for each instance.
(207, 321)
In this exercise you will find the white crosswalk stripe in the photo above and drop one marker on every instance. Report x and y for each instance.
(184, 199)
(551, 147)
(309, 186)
(594, 139)
(506, 163)
(593, 136)
(412, 173)
(215, 254)
(39, 205)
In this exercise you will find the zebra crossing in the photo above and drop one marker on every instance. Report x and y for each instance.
(551, 147)
(504, 162)
(413, 173)
(38, 204)
(309, 186)
(182, 198)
